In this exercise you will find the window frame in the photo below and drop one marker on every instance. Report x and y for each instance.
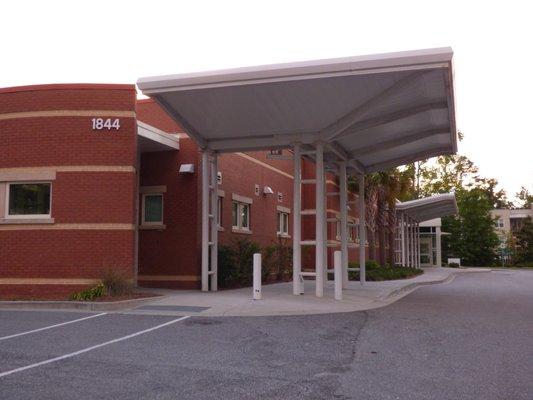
(240, 206)
(220, 201)
(283, 228)
(143, 210)
(9, 216)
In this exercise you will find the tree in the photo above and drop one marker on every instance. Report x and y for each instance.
(472, 238)
(525, 197)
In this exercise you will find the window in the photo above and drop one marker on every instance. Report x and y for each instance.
(353, 232)
(219, 211)
(499, 223)
(152, 211)
(241, 215)
(28, 200)
(283, 223)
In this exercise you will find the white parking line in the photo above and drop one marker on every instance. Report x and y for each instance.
(76, 353)
(51, 326)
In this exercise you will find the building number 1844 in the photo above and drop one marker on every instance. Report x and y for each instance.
(108, 123)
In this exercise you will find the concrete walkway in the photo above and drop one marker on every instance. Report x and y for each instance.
(279, 300)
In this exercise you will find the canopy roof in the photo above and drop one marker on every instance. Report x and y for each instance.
(151, 139)
(376, 112)
(439, 205)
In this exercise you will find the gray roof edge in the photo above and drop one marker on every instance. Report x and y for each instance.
(403, 59)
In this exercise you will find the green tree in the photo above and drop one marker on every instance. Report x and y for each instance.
(525, 197)
(472, 238)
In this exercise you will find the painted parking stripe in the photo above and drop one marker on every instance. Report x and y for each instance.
(76, 353)
(50, 327)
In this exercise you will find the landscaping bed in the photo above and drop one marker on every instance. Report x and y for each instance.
(375, 272)
(52, 297)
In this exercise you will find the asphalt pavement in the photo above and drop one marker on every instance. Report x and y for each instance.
(468, 339)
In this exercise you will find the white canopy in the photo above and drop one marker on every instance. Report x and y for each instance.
(376, 112)
(439, 205)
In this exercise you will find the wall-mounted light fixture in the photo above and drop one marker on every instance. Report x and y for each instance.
(187, 169)
(267, 190)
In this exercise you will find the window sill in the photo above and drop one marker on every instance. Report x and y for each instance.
(221, 229)
(284, 235)
(7, 221)
(243, 231)
(154, 227)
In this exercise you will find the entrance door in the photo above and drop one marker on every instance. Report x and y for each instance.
(426, 251)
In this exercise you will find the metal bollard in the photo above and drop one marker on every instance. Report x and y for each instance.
(257, 277)
(337, 269)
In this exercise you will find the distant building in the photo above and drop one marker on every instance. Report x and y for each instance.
(510, 221)
(507, 223)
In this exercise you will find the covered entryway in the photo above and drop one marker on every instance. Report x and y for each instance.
(419, 229)
(351, 116)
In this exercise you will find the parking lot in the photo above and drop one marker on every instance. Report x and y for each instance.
(469, 339)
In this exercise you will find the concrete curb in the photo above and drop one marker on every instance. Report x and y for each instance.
(77, 305)
(414, 285)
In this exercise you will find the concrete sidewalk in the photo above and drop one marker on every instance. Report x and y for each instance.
(279, 300)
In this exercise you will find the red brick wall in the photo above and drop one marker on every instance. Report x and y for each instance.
(176, 250)
(100, 191)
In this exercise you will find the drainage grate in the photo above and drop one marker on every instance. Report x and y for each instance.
(173, 308)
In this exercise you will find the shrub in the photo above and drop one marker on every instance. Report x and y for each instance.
(277, 260)
(375, 272)
(235, 263)
(116, 282)
(453, 265)
(89, 294)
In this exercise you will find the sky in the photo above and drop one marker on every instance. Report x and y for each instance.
(119, 41)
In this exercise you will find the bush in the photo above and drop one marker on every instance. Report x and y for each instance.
(116, 283)
(523, 265)
(277, 261)
(89, 294)
(453, 265)
(235, 263)
(375, 272)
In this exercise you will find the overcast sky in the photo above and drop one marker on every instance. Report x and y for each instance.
(120, 41)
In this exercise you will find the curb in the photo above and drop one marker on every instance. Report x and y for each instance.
(77, 305)
(413, 285)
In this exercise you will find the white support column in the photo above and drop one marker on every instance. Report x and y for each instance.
(438, 244)
(337, 268)
(320, 220)
(205, 221)
(408, 237)
(362, 231)
(297, 221)
(412, 227)
(402, 241)
(417, 245)
(214, 224)
(343, 196)
(326, 230)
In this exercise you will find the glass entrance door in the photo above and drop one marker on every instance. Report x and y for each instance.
(426, 251)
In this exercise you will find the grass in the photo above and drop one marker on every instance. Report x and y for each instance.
(375, 272)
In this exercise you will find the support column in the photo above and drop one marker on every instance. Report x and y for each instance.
(417, 245)
(205, 221)
(412, 252)
(408, 237)
(320, 240)
(402, 240)
(214, 223)
(362, 230)
(326, 230)
(297, 221)
(343, 201)
(438, 244)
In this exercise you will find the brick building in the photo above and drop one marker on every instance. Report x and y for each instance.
(92, 179)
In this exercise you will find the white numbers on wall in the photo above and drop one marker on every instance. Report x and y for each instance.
(108, 123)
